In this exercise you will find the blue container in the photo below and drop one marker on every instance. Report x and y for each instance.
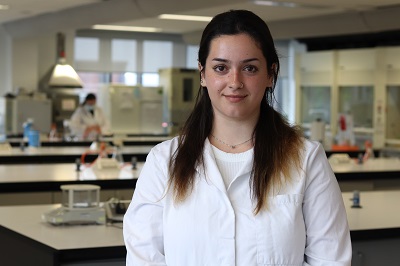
(27, 127)
(34, 138)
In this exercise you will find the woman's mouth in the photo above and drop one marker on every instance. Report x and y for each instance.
(235, 98)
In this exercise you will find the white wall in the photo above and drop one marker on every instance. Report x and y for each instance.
(5, 62)
(32, 57)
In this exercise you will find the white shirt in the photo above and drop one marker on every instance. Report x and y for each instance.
(305, 224)
(230, 165)
(81, 119)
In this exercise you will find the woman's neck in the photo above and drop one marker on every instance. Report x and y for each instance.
(232, 136)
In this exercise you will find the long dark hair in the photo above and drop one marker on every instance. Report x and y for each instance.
(277, 144)
(89, 97)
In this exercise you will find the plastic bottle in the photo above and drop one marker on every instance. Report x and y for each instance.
(27, 125)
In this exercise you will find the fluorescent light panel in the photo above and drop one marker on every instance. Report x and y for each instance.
(4, 7)
(288, 4)
(126, 28)
(185, 17)
(274, 3)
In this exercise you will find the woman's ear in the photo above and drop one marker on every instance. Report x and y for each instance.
(202, 79)
(272, 75)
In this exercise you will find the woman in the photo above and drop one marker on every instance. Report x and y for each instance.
(239, 186)
(88, 121)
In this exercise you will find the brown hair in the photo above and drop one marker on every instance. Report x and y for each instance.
(277, 145)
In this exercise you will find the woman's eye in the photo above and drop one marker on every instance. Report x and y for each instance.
(251, 69)
(219, 68)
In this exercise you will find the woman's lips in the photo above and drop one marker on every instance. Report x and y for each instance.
(235, 98)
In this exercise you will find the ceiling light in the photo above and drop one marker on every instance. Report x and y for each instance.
(274, 3)
(4, 7)
(185, 17)
(125, 28)
(278, 3)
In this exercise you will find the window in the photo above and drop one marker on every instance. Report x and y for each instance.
(128, 60)
(156, 55)
(87, 49)
(191, 56)
(93, 80)
(123, 55)
(87, 54)
(150, 79)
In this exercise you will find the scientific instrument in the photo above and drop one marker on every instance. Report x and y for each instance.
(80, 205)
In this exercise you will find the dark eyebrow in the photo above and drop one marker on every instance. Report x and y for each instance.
(220, 60)
(244, 61)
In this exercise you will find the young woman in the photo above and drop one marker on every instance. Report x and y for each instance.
(239, 185)
(88, 122)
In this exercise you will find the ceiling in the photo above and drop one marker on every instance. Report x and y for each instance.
(308, 18)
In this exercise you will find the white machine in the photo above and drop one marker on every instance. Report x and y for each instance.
(17, 110)
(133, 109)
(80, 205)
(180, 87)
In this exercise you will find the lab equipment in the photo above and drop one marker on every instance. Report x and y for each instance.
(345, 134)
(318, 130)
(33, 138)
(133, 109)
(180, 87)
(27, 126)
(80, 205)
(356, 199)
(115, 209)
(339, 158)
(18, 110)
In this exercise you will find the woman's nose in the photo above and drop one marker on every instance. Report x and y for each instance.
(235, 81)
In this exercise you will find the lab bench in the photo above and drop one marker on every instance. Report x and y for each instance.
(48, 155)
(372, 174)
(40, 183)
(374, 229)
(129, 140)
(27, 240)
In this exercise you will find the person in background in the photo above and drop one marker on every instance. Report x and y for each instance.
(88, 121)
(239, 185)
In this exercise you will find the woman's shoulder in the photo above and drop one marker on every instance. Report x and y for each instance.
(166, 147)
(311, 144)
(312, 147)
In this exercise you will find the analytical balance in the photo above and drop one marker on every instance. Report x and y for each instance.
(80, 205)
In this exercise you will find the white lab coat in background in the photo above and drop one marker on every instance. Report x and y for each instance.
(81, 118)
(306, 223)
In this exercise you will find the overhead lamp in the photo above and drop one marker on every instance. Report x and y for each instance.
(4, 7)
(126, 28)
(287, 4)
(61, 75)
(185, 17)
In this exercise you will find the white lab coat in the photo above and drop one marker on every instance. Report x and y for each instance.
(81, 118)
(306, 223)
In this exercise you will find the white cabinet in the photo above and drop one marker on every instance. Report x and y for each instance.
(133, 109)
(180, 87)
(17, 110)
(361, 82)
